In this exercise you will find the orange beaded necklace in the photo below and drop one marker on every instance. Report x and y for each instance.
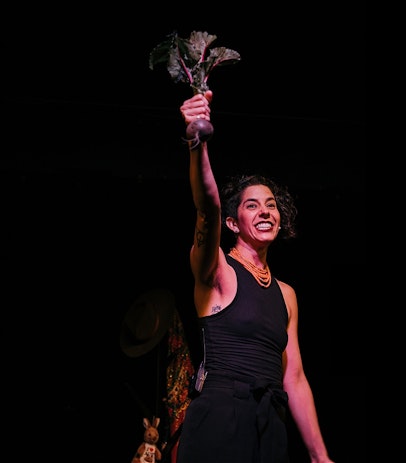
(262, 275)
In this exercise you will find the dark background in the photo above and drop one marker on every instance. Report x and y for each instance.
(97, 208)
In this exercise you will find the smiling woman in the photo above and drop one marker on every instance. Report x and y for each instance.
(249, 320)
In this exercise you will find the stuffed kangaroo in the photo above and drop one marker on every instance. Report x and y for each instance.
(148, 452)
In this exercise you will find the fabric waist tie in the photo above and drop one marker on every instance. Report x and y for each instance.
(264, 392)
(267, 397)
(272, 401)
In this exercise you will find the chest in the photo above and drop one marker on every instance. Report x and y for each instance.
(150, 454)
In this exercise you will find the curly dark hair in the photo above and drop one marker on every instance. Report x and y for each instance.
(232, 189)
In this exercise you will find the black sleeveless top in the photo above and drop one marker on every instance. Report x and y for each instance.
(249, 336)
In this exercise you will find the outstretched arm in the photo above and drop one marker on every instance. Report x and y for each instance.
(205, 249)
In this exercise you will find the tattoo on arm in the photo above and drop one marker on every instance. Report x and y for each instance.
(216, 308)
(200, 237)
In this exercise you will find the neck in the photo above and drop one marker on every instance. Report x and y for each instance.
(262, 275)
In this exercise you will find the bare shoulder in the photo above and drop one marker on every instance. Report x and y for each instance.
(287, 290)
(289, 296)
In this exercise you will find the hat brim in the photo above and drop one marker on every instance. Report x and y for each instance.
(161, 302)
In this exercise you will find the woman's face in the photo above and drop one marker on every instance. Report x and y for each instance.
(258, 217)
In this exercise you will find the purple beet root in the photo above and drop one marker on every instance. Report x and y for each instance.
(199, 130)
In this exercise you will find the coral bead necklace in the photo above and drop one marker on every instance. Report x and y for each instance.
(262, 275)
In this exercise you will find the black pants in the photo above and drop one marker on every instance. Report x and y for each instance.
(235, 421)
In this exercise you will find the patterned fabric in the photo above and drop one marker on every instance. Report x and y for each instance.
(178, 373)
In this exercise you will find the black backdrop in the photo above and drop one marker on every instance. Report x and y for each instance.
(97, 210)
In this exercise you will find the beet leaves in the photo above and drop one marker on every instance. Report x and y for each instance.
(191, 60)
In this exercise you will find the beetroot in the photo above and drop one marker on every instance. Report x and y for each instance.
(199, 130)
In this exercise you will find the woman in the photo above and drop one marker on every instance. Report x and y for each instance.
(252, 364)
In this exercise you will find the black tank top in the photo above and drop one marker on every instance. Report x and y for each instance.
(249, 336)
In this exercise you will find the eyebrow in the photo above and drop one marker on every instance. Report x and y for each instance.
(270, 198)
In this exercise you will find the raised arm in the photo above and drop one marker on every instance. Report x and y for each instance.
(205, 249)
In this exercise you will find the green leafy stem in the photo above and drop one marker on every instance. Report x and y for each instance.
(191, 60)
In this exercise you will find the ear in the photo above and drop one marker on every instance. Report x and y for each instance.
(146, 423)
(155, 423)
(232, 225)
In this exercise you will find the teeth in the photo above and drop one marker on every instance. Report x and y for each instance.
(264, 226)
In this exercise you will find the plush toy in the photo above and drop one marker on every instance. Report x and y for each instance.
(148, 451)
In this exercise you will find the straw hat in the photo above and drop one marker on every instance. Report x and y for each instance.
(146, 322)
